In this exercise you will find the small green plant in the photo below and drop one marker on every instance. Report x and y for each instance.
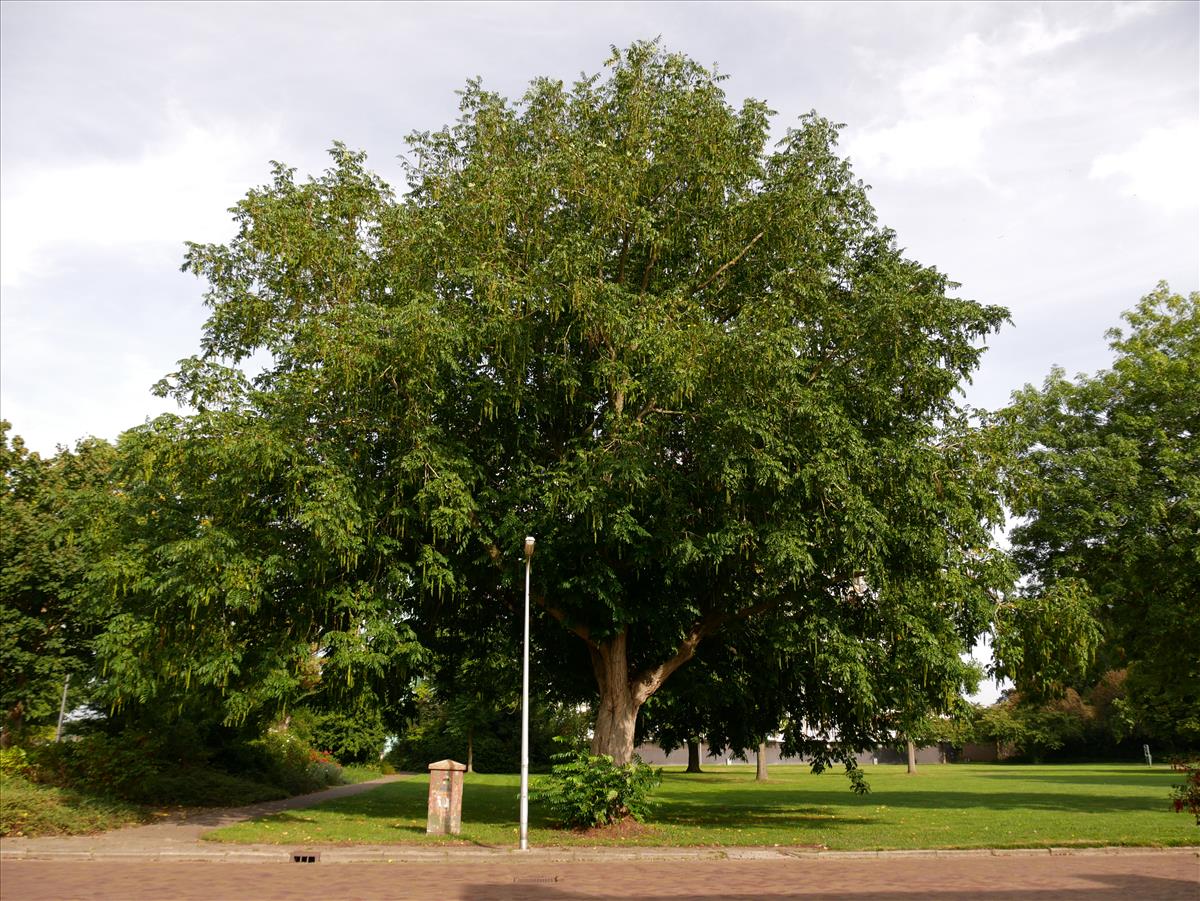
(13, 762)
(1188, 794)
(584, 790)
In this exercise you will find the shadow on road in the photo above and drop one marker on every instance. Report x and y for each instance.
(1105, 888)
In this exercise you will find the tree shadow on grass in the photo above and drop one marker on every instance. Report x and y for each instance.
(1150, 779)
(931, 799)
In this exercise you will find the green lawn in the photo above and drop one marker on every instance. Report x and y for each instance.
(960, 806)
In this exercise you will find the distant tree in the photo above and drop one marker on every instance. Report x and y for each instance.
(1030, 730)
(50, 512)
(1107, 483)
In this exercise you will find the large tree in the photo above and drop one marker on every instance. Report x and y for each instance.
(614, 316)
(1107, 480)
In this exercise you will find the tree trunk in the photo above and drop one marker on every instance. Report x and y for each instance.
(615, 721)
(912, 757)
(621, 697)
(760, 774)
(693, 757)
(622, 692)
(471, 749)
(14, 719)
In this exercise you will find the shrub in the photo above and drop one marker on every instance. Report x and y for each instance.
(97, 763)
(200, 787)
(1188, 794)
(356, 736)
(136, 767)
(583, 791)
(14, 762)
(286, 760)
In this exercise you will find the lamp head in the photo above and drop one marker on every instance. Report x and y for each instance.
(528, 546)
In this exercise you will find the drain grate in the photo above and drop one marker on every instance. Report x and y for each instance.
(536, 879)
(306, 856)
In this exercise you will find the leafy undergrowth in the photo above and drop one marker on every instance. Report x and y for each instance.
(947, 806)
(100, 782)
(202, 787)
(29, 809)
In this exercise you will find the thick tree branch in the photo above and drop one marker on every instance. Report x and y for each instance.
(561, 617)
(745, 250)
(648, 681)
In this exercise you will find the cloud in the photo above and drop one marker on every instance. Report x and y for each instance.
(1159, 169)
(934, 143)
(178, 189)
(947, 112)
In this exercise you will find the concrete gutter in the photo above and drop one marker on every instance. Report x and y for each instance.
(335, 854)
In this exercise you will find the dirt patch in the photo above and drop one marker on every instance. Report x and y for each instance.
(628, 828)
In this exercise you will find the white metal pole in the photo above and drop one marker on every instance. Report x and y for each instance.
(525, 705)
(62, 709)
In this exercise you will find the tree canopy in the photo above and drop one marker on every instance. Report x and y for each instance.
(1107, 480)
(611, 315)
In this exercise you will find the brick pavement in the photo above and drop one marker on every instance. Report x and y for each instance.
(1153, 876)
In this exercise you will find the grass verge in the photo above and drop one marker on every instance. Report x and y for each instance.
(29, 809)
(959, 806)
(33, 809)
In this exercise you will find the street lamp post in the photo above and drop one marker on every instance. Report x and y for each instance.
(525, 705)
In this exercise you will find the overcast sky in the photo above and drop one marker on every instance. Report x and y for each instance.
(1044, 155)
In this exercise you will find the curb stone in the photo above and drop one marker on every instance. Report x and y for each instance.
(401, 854)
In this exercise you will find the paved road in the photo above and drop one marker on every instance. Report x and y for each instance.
(1077, 877)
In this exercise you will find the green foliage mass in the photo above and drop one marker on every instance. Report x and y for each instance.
(31, 809)
(584, 790)
(1107, 480)
(1096, 722)
(610, 315)
(352, 734)
(51, 511)
(218, 594)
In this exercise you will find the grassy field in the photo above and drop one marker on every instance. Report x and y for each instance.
(961, 806)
